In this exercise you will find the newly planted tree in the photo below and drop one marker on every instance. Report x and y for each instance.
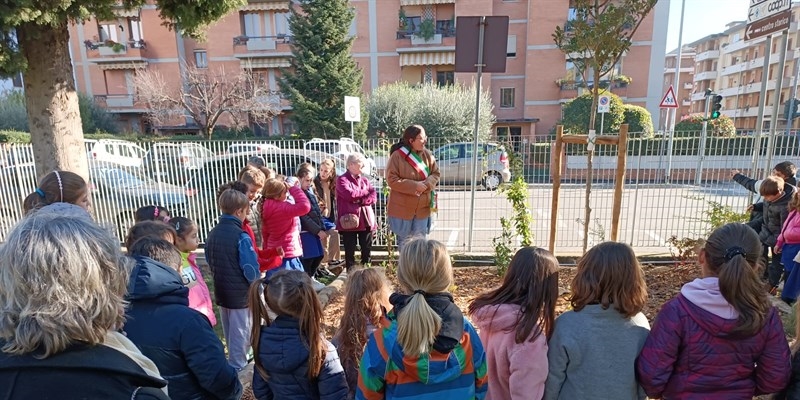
(601, 32)
(323, 70)
(34, 38)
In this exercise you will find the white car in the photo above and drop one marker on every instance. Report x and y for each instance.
(341, 149)
(120, 152)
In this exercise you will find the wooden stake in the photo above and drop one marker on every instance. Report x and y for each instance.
(619, 181)
(555, 166)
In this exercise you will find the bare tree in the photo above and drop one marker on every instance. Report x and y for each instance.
(206, 96)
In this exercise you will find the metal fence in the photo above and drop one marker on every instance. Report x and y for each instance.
(665, 194)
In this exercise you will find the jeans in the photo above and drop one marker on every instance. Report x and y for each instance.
(364, 241)
(774, 267)
(405, 229)
(236, 327)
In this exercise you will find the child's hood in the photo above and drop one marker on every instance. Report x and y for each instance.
(496, 317)
(282, 348)
(704, 302)
(153, 281)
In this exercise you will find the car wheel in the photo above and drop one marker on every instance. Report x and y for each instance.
(492, 180)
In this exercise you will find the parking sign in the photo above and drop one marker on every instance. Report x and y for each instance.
(603, 104)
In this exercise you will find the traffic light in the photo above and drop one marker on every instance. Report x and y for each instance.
(716, 107)
(790, 109)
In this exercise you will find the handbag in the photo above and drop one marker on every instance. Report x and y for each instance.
(349, 221)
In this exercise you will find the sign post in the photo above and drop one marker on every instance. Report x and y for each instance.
(669, 101)
(603, 106)
(352, 112)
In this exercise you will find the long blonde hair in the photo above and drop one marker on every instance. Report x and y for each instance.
(364, 291)
(423, 269)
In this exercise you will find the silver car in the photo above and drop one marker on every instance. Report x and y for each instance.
(455, 164)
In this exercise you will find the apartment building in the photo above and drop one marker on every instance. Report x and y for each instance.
(10, 84)
(683, 93)
(734, 68)
(388, 47)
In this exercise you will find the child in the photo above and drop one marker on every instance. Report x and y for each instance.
(792, 391)
(325, 187)
(186, 241)
(429, 350)
(312, 230)
(151, 213)
(776, 209)
(149, 228)
(267, 258)
(178, 339)
(234, 265)
(592, 349)
(59, 187)
(292, 358)
(281, 222)
(719, 338)
(254, 179)
(515, 321)
(366, 300)
(788, 246)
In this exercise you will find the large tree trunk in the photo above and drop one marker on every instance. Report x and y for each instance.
(52, 102)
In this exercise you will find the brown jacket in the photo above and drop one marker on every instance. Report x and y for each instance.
(402, 179)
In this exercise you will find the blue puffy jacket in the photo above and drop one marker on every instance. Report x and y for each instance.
(285, 358)
(178, 339)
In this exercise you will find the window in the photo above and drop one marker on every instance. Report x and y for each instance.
(107, 32)
(282, 24)
(511, 47)
(445, 78)
(200, 59)
(251, 24)
(352, 31)
(135, 29)
(16, 80)
(506, 97)
(413, 23)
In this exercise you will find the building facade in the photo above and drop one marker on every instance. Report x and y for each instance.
(390, 45)
(683, 92)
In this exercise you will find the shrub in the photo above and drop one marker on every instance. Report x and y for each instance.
(95, 119)
(12, 112)
(578, 111)
(11, 136)
(640, 124)
(693, 124)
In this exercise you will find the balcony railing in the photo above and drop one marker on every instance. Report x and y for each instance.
(112, 48)
(114, 100)
(260, 43)
(410, 33)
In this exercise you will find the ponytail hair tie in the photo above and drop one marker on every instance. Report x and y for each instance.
(734, 251)
(40, 192)
(155, 212)
(420, 291)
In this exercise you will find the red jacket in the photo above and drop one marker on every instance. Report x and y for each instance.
(267, 258)
(355, 196)
(692, 353)
(281, 223)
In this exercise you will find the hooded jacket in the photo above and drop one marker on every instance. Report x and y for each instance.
(284, 356)
(455, 368)
(516, 370)
(178, 339)
(694, 352)
(775, 214)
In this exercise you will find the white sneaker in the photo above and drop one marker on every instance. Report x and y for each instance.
(317, 285)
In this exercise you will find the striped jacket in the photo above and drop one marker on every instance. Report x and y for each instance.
(387, 373)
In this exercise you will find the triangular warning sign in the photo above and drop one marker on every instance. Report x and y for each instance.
(669, 99)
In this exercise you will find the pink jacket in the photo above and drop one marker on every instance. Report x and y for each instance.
(280, 223)
(199, 296)
(516, 370)
(355, 195)
(790, 233)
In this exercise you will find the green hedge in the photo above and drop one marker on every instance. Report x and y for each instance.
(715, 146)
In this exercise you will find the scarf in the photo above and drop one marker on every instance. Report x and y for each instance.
(422, 169)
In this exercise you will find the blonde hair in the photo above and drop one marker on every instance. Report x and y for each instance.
(610, 275)
(290, 293)
(62, 281)
(252, 175)
(231, 201)
(794, 203)
(423, 269)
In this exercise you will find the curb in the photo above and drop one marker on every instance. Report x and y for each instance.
(325, 295)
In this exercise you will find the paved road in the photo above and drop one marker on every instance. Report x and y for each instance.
(650, 215)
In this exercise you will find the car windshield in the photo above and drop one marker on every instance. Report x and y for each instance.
(124, 179)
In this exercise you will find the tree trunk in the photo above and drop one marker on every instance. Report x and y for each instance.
(53, 114)
(589, 161)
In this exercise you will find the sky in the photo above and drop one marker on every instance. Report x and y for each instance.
(702, 18)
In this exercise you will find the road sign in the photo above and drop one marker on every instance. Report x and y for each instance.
(603, 104)
(495, 40)
(669, 99)
(769, 25)
(352, 109)
(767, 8)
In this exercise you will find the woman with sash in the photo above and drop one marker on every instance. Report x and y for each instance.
(412, 174)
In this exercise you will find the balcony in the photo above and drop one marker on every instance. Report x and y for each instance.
(688, 85)
(706, 75)
(671, 70)
(266, 5)
(707, 55)
(113, 52)
(263, 51)
(425, 2)
(118, 103)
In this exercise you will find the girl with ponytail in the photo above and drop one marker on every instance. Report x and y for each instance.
(292, 358)
(719, 338)
(431, 347)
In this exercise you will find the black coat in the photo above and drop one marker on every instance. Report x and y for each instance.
(222, 255)
(178, 339)
(312, 222)
(79, 372)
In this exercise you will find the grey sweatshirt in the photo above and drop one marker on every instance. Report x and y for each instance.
(592, 355)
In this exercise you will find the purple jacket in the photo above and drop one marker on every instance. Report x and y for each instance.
(355, 196)
(693, 353)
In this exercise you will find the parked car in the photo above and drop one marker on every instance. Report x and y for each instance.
(115, 151)
(119, 191)
(173, 162)
(455, 164)
(341, 149)
(250, 147)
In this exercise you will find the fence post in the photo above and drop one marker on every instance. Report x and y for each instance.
(619, 182)
(556, 168)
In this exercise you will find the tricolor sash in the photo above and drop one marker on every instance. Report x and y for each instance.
(422, 169)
